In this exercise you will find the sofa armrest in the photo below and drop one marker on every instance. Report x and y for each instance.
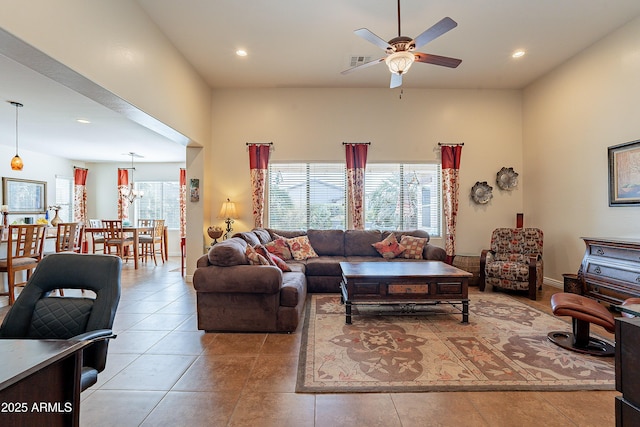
(435, 253)
(256, 279)
(203, 261)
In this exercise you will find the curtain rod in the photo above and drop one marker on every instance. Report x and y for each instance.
(365, 143)
(450, 143)
(259, 143)
(78, 167)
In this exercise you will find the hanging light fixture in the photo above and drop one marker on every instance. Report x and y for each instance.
(400, 62)
(130, 192)
(16, 162)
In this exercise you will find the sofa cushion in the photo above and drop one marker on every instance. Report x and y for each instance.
(279, 247)
(293, 288)
(262, 235)
(301, 248)
(228, 253)
(389, 247)
(287, 234)
(327, 242)
(325, 266)
(248, 237)
(358, 242)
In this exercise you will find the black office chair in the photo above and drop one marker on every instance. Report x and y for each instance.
(36, 315)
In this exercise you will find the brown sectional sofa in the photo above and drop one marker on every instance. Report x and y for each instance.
(235, 296)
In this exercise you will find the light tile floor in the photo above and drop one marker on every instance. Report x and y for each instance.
(163, 371)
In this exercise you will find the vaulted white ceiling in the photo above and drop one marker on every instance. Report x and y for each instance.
(305, 44)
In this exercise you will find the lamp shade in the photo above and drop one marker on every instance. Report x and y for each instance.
(400, 62)
(228, 210)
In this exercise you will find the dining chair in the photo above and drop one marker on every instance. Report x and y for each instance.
(152, 244)
(25, 245)
(69, 237)
(114, 237)
(97, 238)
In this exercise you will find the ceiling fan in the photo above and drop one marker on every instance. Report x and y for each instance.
(401, 52)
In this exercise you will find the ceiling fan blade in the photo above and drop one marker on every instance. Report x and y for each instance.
(365, 65)
(441, 27)
(372, 38)
(396, 80)
(444, 61)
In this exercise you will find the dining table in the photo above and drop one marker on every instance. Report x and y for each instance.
(135, 232)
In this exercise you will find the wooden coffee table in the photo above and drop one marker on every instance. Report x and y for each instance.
(407, 284)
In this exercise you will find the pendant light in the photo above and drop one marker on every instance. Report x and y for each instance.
(16, 162)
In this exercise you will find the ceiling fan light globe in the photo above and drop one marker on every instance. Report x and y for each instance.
(400, 62)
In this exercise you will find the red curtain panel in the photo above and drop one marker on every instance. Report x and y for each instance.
(80, 195)
(356, 156)
(123, 202)
(450, 188)
(183, 202)
(258, 164)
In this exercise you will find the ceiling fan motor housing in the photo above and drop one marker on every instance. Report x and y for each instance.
(401, 44)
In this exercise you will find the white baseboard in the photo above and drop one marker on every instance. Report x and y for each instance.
(553, 282)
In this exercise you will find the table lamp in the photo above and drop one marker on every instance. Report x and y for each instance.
(228, 212)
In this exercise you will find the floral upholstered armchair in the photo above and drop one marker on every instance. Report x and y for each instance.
(514, 260)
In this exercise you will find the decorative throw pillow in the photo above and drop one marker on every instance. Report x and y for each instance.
(254, 257)
(389, 247)
(301, 248)
(279, 247)
(279, 262)
(413, 246)
(261, 250)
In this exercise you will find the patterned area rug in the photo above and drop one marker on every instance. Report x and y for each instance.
(503, 347)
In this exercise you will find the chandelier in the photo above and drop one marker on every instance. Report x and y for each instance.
(131, 193)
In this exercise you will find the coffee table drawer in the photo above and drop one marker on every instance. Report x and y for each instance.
(449, 288)
(366, 288)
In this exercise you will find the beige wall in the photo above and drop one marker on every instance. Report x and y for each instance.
(571, 116)
(311, 124)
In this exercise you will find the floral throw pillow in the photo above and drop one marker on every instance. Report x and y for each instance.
(279, 262)
(389, 247)
(279, 247)
(254, 257)
(413, 246)
(301, 248)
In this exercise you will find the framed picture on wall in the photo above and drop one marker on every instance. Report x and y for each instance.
(624, 174)
(24, 196)
(194, 190)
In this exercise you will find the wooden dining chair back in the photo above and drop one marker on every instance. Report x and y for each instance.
(152, 244)
(25, 245)
(97, 237)
(69, 237)
(114, 238)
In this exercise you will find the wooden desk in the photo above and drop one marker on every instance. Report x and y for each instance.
(135, 232)
(40, 382)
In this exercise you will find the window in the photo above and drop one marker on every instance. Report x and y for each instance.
(403, 197)
(306, 195)
(64, 198)
(161, 201)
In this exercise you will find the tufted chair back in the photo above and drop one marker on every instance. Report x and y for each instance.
(36, 315)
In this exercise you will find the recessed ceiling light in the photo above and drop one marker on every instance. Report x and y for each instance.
(241, 52)
(518, 54)
(83, 121)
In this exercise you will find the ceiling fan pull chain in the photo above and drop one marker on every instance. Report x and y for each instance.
(401, 92)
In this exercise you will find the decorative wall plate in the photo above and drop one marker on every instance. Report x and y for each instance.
(507, 179)
(481, 192)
